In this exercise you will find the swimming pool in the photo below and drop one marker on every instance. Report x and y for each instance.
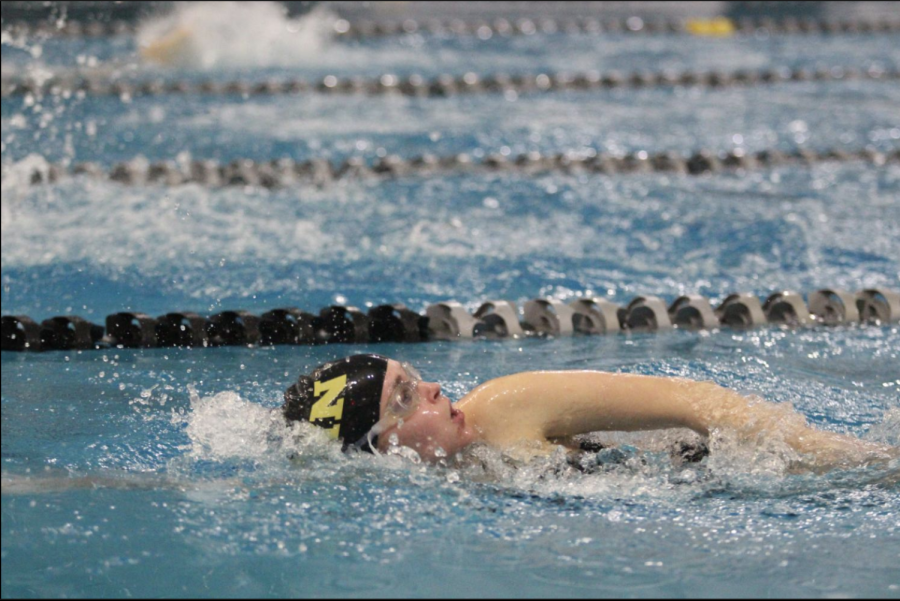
(161, 472)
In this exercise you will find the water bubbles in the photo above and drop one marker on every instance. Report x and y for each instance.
(155, 114)
(406, 453)
(18, 121)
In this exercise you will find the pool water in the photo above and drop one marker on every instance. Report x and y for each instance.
(165, 472)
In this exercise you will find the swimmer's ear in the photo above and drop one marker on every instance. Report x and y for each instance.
(298, 400)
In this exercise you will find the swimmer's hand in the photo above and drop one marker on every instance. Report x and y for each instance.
(753, 419)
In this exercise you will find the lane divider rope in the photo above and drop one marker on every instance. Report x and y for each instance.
(719, 26)
(445, 85)
(540, 317)
(286, 172)
(486, 29)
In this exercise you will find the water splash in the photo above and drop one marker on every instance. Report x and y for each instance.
(15, 183)
(888, 430)
(211, 35)
(226, 427)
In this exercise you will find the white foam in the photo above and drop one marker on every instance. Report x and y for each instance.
(17, 176)
(639, 465)
(214, 35)
(227, 427)
(16, 183)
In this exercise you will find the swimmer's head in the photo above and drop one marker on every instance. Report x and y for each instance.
(343, 397)
(371, 402)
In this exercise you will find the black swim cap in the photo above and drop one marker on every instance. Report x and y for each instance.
(344, 397)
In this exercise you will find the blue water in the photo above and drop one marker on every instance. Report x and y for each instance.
(163, 472)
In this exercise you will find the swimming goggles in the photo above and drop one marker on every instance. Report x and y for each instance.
(402, 402)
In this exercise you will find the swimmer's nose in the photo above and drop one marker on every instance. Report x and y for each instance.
(430, 391)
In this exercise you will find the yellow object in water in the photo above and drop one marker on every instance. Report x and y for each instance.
(716, 27)
(167, 49)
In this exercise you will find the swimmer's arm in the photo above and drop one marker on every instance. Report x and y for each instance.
(551, 404)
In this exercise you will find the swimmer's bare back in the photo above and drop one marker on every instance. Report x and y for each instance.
(42, 483)
(521, 411)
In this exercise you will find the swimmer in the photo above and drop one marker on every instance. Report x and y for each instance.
(371, 402)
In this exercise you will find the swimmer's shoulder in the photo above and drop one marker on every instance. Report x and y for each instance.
(511, 410)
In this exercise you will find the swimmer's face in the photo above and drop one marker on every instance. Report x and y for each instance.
(431, 424)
